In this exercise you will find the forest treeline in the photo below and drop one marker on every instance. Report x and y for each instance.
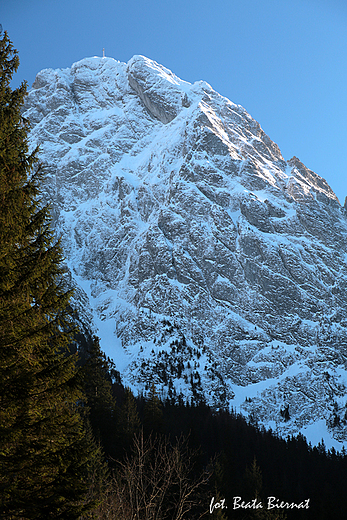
(74, 442)
(225, 454)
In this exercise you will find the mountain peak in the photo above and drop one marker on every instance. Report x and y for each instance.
(161, 91)
(204, 261)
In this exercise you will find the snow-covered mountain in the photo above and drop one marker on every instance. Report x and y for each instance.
(204, 261)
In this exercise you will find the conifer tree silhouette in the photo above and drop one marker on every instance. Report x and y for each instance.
(46, 455)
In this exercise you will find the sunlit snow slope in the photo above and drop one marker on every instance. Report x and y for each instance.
(204, 261)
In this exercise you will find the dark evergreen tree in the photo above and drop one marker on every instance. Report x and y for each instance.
(100, 401)
(153, 412)
(128, 420)
(217, 504)
(253, 485)
(46, 455)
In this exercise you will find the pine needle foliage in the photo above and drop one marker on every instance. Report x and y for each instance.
(45, 453)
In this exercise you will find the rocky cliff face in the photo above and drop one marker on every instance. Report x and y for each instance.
(205, 261)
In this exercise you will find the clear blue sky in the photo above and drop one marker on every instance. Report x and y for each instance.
(285, 61)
